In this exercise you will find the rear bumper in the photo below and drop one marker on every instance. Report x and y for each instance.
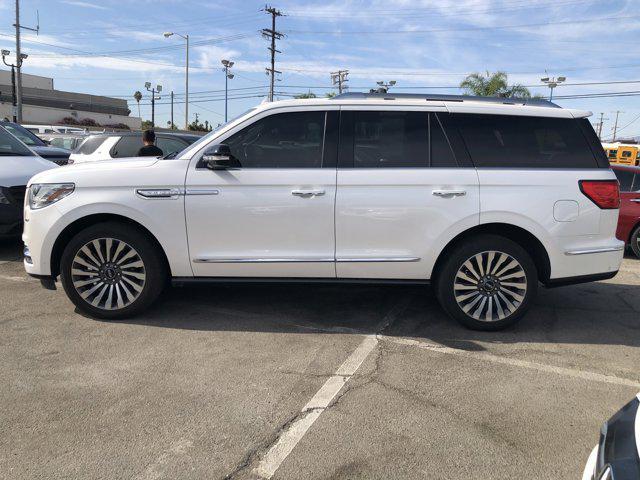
(579, 262)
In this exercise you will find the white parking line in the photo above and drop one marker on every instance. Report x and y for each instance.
(312, 410)
(16, 278)
(514, 362)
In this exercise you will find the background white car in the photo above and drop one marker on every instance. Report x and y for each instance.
(17, 165)
(105, 146)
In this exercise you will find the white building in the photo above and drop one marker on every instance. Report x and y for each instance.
(42, 104)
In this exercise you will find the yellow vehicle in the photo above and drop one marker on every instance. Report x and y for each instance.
(622, 153)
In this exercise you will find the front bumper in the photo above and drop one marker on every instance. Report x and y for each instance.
(617, 455)
(10, 220)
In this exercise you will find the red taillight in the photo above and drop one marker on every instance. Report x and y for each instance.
(604, 193)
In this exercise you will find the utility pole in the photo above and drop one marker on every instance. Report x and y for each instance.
(615, 125)
(153, 90)
(19, 58)
(227, 76)
(186, 77)
(273, 35)
(171, 109)
(340, 79)
(600, 124)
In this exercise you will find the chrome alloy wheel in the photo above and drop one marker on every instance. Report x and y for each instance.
(108, 273)
(490, 286)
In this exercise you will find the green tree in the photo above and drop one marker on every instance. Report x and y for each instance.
(309, 94)
(146, 125)
(137, 96)
(493, 85)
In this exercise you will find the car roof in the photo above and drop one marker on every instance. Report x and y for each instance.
(451, 103)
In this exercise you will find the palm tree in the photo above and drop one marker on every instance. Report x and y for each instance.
(138, 96)
(493, 85)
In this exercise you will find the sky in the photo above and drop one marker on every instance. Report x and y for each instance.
(112, 47)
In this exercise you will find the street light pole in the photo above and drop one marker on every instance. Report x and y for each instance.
(552, 83)
(186, 76)
(227, 76)
(16, 114)
(153, 90)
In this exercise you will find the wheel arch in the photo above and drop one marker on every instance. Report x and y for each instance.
(519, 235)
(81, 223)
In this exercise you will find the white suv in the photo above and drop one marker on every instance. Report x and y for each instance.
(484, 198)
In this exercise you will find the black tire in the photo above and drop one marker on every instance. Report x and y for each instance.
(129, 290)
(505, 304)
(635, 241)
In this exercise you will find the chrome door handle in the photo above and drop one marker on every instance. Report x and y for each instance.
(636, 200)
(449, 193)
(307, 193)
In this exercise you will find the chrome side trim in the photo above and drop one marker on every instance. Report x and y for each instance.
(152, 193)
(377, 259)
(201, 191)
(302, 260)
(595, 250)
(262, 260)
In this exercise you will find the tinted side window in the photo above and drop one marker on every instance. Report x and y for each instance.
(625, 178)
(170, 145)
(510, 141)
(91, 144)
(441, 153)
(283, 140)
(127, 147)
(390, 140)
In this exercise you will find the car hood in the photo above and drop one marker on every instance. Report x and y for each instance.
(51, 152)
(93, 170)
(19, 169)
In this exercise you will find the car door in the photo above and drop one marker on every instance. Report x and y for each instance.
(629, 202)
(403, 192)
(273, 216)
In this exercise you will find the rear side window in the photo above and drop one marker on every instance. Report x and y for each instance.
(625, 178)
(127, 146)
(509, 141)
(394, 139)
(90, 145)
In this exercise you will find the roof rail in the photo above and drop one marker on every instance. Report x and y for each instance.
(536, 102)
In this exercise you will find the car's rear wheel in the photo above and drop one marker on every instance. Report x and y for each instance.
(487, 283)
(111, 270)
(635, 241)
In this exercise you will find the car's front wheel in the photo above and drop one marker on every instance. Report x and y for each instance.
(487, 283)
(111, 270)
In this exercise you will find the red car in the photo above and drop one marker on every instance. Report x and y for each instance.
(629, 221)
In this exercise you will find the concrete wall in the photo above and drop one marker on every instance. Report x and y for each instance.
(54, 116)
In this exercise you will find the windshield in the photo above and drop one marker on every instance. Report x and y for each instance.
(194, 146)
(11, 146)
(22, 134)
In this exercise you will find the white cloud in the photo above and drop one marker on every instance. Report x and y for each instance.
(210, 56)
(79, 3)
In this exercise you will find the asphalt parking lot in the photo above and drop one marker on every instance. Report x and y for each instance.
(309, 382)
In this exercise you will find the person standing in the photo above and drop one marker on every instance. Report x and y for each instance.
(149, 149)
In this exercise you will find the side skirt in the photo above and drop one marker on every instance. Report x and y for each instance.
(181, 281)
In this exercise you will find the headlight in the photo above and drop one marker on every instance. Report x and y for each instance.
(44, 194)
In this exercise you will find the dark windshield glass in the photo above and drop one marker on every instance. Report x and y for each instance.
(11, 146)
(91, 144)
(22, 134)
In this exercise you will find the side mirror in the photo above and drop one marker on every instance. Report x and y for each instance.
(219, 157)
